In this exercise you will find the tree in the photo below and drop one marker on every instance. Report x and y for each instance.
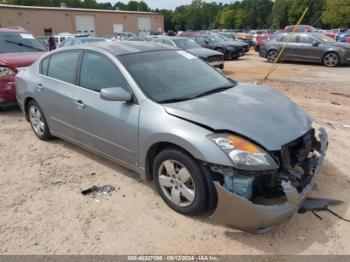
(227, 19)
(337, 13)
(280, 13)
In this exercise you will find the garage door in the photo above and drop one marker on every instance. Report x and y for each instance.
(144, 25)
(85, 24)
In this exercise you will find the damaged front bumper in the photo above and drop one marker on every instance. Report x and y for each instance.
(238, 212)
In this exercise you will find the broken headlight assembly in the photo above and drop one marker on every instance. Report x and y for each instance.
(6, 72)
(244, 154)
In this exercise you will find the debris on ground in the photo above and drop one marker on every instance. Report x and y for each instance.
(98, 192)
(346, 126)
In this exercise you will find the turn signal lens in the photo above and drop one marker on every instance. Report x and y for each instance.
(244, 145)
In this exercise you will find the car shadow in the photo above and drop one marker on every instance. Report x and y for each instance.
(307, 64)
(10, 110)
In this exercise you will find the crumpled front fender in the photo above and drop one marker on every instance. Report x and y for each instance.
(236, 211)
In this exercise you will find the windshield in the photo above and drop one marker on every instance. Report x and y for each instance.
(216, 39)
(173, 75)
(186, 43)
(16, 43)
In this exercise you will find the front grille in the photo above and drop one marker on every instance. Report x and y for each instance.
(215, 58)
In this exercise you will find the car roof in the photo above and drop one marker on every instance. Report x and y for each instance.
(129, 47)
(12, 30)
(174, 37)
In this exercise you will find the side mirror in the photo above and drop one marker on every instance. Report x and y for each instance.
(115, 94)
(206, 42)
(315, 43)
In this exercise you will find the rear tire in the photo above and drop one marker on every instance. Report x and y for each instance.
(331, 60)
(38, 121)
(180, 182)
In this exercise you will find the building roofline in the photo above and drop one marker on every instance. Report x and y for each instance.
(76, 9)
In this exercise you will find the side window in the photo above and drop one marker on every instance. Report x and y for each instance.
(200, 40)
(99, 72)
(44, 66)
(167, 42)
(63, 66)
(304, 39)
(68, 42)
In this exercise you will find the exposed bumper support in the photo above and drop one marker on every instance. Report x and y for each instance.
(243, 214)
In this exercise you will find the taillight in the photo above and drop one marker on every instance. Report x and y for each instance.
(6, 72)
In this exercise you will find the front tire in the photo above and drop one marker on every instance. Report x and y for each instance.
(331, 60)
(180, 182)
(38, 122)
(271, 56)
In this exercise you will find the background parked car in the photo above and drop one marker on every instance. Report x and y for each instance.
(82, 40)
(126, 36)
(300, 29)
(18, 49)
(212, 57)
(230, 49)
(345, 37)
(307, 47)
(231, 37)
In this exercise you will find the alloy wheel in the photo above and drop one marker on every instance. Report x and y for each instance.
(176, 183)
(331, 60)
(36, 120)
(271, 56)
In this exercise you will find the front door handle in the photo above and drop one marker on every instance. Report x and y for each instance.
(79, 103)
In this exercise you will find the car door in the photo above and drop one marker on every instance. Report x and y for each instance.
(108, 127)
(290, 51)
(55, 90)
(306, 51)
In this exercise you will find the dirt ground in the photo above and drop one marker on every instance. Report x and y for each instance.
(43, 211)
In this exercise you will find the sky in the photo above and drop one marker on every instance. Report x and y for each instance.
(169, 4)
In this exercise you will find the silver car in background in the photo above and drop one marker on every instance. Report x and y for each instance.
(244, 154)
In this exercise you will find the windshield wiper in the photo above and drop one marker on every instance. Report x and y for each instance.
(175, 100)
(213, 91)
(21, 44)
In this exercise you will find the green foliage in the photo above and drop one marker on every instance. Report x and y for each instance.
(244, 14)
(337, 13)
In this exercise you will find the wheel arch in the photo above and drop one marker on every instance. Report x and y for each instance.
(26, 104)
(159, 146)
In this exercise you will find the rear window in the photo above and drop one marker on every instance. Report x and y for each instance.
(20, 42)
(63, 66)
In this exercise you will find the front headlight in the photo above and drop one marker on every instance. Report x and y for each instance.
(5, 72)
(244, 154)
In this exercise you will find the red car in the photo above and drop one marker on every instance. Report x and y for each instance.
(260, 38)
(18, 49)
(300, 29)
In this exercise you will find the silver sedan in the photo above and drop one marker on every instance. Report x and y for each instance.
(245, 154)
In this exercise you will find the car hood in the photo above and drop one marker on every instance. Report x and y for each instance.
(203, 52)
(20, 59)
(261, 114)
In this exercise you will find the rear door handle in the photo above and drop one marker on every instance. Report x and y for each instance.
(79, 103)
(40, 87)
